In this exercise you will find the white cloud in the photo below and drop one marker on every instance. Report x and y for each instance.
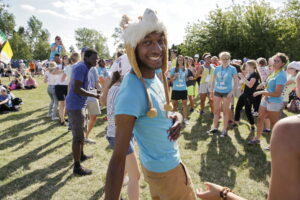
(46, 11)
(27, 7)
(104, 15)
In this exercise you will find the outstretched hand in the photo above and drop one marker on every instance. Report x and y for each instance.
(174, 131)
(212, 192)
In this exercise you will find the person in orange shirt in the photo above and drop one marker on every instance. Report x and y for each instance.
(32, 68)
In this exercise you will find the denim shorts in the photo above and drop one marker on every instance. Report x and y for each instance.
(112, 143)
(222, 95)
(273, 107)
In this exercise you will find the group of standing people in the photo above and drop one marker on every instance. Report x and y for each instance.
(139, 106)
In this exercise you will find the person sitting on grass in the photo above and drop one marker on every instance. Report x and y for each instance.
(5, 100)
(30, 83)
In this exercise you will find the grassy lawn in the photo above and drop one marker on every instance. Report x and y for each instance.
(36, 160)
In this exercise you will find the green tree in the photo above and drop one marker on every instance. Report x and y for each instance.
(93, 39)
(7, 20)
(38, 38)
(20, 46)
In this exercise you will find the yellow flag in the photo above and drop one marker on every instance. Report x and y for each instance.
(6, 53)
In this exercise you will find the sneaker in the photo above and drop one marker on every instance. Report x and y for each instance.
(252, 128)
(81, 171)
(202, 112)
(192, 110)
(266, 130)
(253, 142)
(85, 157)
(55, 118)
(63, 123)
(186, 121)
(223, 134)
(89, 141)
(255, 114)
(212, 131)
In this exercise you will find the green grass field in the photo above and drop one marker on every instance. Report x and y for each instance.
(36, 160)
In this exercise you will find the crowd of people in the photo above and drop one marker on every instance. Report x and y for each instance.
(149, 97)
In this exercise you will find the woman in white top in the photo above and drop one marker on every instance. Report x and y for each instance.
(61, 91)
(50, 78)
(131, 165)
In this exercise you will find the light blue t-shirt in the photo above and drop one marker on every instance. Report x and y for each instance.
(179, 84)
(279, 79)
(57, 50)
(157, 152)
(93, 79)
(224, 77)
(73, 100)
(8, 96)
(102, 71)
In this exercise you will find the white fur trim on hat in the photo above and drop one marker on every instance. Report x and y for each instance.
(149, 23)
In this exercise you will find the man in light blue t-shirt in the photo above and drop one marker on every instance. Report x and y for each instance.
(141, 108)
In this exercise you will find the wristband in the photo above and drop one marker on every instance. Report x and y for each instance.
(224, 192)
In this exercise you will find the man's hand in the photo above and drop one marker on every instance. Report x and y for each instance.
(174, 131)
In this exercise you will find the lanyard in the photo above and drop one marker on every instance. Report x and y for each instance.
(225, 72)
(274, 74)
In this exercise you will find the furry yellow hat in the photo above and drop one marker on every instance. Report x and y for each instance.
(133, 34)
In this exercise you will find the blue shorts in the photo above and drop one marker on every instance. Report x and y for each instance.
(112, 143)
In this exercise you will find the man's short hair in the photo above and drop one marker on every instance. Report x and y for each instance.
(56, 55)
(89, 52)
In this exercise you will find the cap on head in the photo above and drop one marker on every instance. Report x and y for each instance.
(196, 56)
(294, 65)
(133, 34)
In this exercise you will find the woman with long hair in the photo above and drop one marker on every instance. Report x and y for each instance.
(272, 101)
(224, 77)
(250, 82)
(131, 164)
(179, 89)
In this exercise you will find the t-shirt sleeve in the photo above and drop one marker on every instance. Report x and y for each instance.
(79, 73)
(234, 71)
(129, 104)
(52, 45)
(281, 79)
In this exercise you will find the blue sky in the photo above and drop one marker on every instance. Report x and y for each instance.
(62, 17)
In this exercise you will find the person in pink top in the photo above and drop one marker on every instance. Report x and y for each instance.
(30, 83)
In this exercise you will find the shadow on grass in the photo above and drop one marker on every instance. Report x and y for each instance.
(198, 132)
(25, 160)
(259, 167)
(98, 194)
(51, 186)
(15, 116)
(25, 139)
(216, 163)
(17, 128)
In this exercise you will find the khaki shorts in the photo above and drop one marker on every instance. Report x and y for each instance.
(93, 108)
(205, 88)
(78, 124)
(174, 184)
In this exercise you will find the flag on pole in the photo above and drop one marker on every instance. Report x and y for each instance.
(6, 53)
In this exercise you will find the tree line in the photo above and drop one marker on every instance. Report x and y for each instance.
(33, 41)
(253, 29)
